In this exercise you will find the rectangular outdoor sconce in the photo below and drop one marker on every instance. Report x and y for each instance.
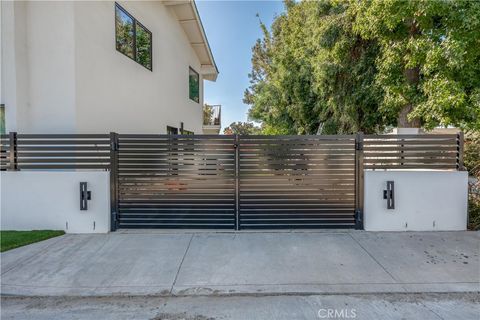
(85, 195)
(389, 195)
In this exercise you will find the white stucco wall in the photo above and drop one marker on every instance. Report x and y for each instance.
(424, 201)
(62, 73)
(114, 93)
(51, 200)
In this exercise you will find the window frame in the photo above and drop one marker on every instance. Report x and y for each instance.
(134, 22)
(198, 77)
(151, 43)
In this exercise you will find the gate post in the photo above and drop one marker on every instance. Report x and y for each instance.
(13, 151)
(237, 186)
(460, 146)
(359, 186)
(113, 181)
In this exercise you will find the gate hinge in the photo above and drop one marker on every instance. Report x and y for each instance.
(114, 146)
(358, 145)
(359, 219)
(358, 215)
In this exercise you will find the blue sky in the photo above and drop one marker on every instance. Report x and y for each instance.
(232, 29)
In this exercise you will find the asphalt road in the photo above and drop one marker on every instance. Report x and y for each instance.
(463, 306)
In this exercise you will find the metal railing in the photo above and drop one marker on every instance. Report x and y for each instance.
(212, 115)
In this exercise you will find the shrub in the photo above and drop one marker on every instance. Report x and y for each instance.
(472, 164)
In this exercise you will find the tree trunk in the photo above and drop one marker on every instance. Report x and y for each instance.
(413, 78)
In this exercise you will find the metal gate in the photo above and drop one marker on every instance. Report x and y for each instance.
(297, 182)
(235, 182)
(173, 181)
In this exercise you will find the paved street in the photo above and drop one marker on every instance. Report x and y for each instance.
(368, 306)
(216, 263)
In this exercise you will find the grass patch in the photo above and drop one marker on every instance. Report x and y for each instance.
(14, 239)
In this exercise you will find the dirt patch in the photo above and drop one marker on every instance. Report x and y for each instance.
(180, 316)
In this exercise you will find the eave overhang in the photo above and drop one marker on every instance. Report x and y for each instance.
(188, 17)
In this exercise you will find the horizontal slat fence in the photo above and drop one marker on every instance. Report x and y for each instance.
(222, 181)
(59, 151)
(4, 152)
(175, 181)
(424, 151)
(297, 181)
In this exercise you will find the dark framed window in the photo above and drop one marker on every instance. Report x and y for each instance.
(132, 38)
(172, 130)
(194, 85)
(187, 132)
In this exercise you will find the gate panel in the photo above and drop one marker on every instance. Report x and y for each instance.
(297, 181)
(176, 181)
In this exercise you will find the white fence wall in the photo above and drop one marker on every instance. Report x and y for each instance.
(51, 200)
(424, 201)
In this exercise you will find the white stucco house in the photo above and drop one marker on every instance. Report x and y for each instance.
(96, 67)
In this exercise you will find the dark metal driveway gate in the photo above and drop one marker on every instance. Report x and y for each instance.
(167, 181)
(235, 182)
(297, 181)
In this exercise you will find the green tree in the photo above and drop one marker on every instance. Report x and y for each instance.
(344, 66)
(311, 71)
(207, 114)
(243, 128)
(429, 62)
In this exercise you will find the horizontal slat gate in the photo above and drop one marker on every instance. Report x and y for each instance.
(176, 181)
(297, 181)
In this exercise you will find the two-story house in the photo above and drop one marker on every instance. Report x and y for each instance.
(96, 67)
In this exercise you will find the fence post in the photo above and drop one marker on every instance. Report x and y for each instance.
(237, 186)
(13, 151)
(113, 181)
(359, 181)
(460, 142)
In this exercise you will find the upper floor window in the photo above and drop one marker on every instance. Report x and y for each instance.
(194, 85)
(132, 38)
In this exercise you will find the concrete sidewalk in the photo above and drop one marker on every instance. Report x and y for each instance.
(261, 263)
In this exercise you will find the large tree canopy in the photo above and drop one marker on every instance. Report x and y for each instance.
(242, 128)
(341, 67)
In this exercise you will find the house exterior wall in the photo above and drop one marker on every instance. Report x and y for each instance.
(33, 200)
(424, 201)
(69, 78)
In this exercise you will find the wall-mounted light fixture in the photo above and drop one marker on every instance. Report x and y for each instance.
(85, 195)
(389, 195)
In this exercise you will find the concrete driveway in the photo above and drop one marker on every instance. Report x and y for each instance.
(203, 263)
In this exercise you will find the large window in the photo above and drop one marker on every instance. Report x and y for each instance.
(132, 38)
(194, 85)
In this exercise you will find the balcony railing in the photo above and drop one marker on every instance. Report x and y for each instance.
(212, 115)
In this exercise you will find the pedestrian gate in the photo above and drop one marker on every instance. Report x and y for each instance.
(235, 182)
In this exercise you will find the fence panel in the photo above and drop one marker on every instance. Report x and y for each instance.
(421, 151)
(4, 152)
(57, 151)
(297, 181)
(176, 181)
